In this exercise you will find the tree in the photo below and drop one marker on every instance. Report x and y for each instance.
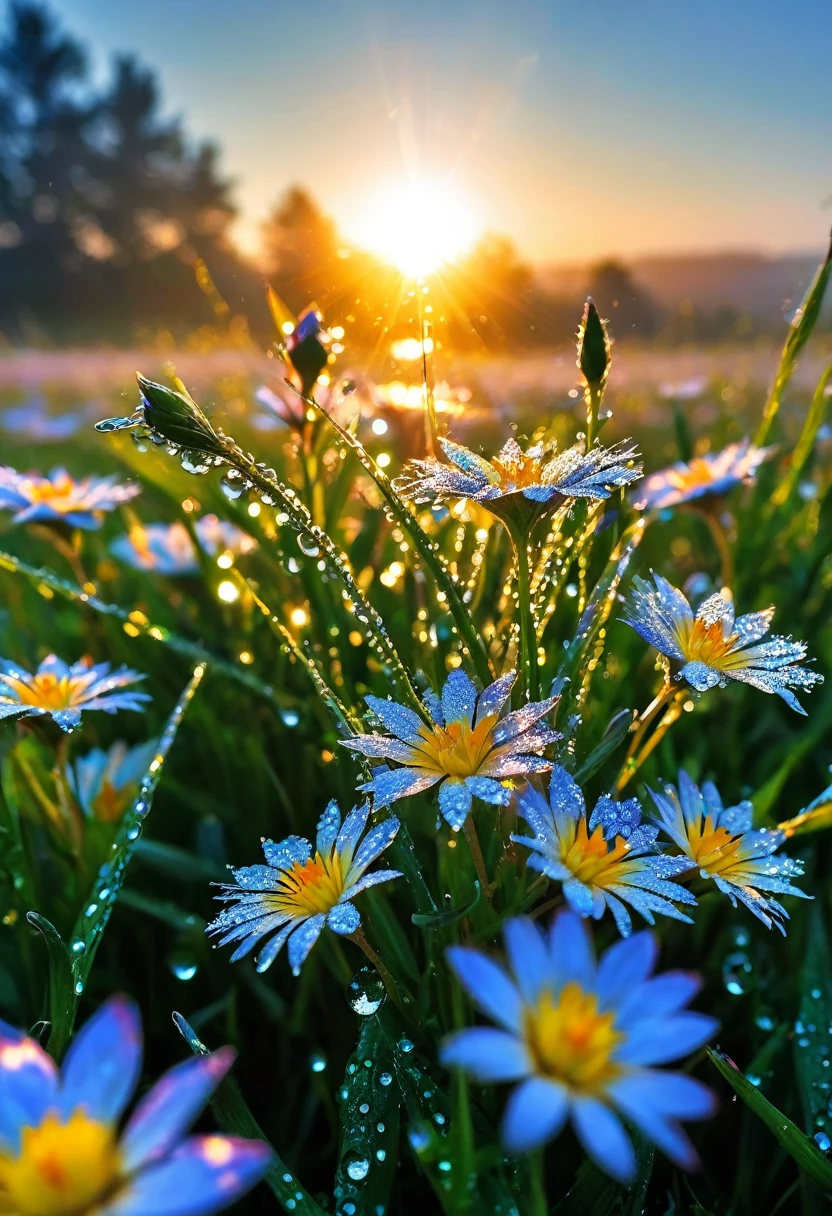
(108, 214)
(631, 309)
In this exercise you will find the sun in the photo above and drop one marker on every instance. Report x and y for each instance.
(419, 224)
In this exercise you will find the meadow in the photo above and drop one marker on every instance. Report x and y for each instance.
(282, 562)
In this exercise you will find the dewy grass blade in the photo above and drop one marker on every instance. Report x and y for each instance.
(92, 920)
(234, 1117)
(600, 604)
(806, 442)
(61, 996)
(805, 1153)
(42, 576)
(799, 335)
(425, 548)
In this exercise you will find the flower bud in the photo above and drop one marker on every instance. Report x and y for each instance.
(177, 418)
(593, 346)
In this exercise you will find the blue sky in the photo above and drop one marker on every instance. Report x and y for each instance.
(623, 126)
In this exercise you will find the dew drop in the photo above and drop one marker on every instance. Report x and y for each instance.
(365, 992)
(317, 1062)
(308, 545)
(822, 1141)
(358, 1168)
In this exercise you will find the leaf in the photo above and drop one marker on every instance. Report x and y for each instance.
(594, 1193)
(234, 1117)
(617, 730)
(443, 920)
(424, 545)
(797, 338)
(811, 1037)
(805, 443)
(61, 994)
(92, 920)
(598, 609)
(806, 1154)
(369, 1101)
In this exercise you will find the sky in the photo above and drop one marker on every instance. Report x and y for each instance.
(623, 127)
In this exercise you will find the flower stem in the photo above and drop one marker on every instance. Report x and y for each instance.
(389, 983)
(528, 631)
(539, 1203)
(726, 560)
(638, 751)
(592, 396)
(473, 843)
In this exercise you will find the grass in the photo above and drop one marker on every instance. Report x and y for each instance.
(348, 593)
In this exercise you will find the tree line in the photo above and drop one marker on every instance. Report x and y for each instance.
(115, 226)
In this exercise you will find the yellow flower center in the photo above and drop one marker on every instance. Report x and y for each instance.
(695, 474)
(59, 494)
(316, 886)
(709, 644)
(457, 749)
(590, 858)
(62, 1169)
(713, 849)
(47, 691)
(518, 474)
(571, 1041)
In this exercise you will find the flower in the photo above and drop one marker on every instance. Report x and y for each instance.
(580, 1038)
(80, 504)
(168, 548)
(466, 746)
(60, 1149)
(106, 782)
(64, 692)
(713, 473)
(611, 858)
(517, 484)
(721, 842)
(298, 894)
(714, 647)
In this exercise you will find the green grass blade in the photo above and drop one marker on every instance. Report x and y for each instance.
(61, 995)
(805, 1153)
(805, 443)
(234, 1117)
(424, 547)
(799, 335)
(92, 920)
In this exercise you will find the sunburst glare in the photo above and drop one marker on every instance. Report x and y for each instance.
(420, 223)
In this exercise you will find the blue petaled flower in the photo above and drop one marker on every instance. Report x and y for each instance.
(467, 746)
(80, 504)
(297, 894)
(603, 860)
(721, 842)
(106, 782)
(713, 646)
(541, 476)
(64, 692)
(711, 474)
(61, 1150)
(168, 548)
(580, 1039)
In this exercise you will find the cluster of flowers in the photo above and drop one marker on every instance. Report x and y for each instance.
(579, 1038)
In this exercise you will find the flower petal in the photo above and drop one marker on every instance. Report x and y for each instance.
(204, 1174)
(488, 985)
(528, 957)
(28, 1085)
(164, 1114)
(535, 1112)
(600, 1132)
(104, 1061)
(487, 1054)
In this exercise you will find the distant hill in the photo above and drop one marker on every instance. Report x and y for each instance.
(761, 286)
